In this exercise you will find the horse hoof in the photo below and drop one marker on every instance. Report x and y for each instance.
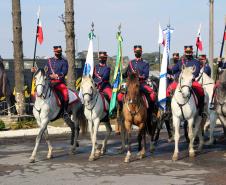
(49, 156)
(170, 140)
(71, 152)
(191, 154)
(140, 155)
(91, 158)
(102, 152)
(127, 160)
(32, 160)
(175, 157)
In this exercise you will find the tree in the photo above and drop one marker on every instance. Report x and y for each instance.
(18, 56)
(70, 41)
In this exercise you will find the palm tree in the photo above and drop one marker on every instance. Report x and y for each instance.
(70, 41)
(18, 56)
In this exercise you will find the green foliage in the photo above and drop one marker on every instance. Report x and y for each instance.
(2, 125)
(24, 124)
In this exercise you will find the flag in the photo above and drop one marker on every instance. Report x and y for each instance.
(161, 37)
(39, 32)
(199, 43)
(163, 71)
(117, 78)
(89, 64)
(225, 33)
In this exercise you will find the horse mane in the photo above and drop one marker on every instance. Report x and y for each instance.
(40, 70)
(133, 77)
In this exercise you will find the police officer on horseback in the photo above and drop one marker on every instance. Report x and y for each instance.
(174, 70)
(205, 67)
(189, 61)
(56, 70)
(141, 67)
(101, 75)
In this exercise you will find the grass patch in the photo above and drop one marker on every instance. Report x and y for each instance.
(2, 125)
(24, 124)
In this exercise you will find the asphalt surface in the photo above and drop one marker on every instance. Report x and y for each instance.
(208, 167)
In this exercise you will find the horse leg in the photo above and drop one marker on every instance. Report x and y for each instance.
(94, 129)
(191, 136)
(212, 120)
(186, 131)
(109, 130)
(38, 139)
(169, 131)
(141, 149)
(176, 124)
(72, 127)
(123, 137)
(46, 135)
(128, 133)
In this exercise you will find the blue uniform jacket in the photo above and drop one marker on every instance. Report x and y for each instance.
(207, 69)
(141, 67)
(57, 66)
(193, 62)
(175, 70)
(101, 75)
(222, 65)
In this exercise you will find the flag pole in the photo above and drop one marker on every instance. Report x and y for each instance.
(36, 36)
(197, 51)
(159, 58)
(222, 45)
(34, 63)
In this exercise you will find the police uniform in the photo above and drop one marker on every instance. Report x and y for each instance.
(101, 75)
(222, 64)
(204, 65)
(59, 66)
(175, 69)
(141, 67)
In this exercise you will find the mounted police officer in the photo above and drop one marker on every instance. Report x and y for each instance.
(189, 61)
(204, 65)
(221, 63)
(141, 67)
(101, 75)
(57, 69)
(174, 70)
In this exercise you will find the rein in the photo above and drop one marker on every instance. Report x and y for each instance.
(188, 98)
(92, 97)
(133, 113)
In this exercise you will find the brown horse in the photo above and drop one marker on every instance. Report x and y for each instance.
(135, 112)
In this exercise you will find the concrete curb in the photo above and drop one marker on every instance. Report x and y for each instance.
(34, 132)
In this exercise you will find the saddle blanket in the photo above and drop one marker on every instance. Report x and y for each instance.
(73, 97)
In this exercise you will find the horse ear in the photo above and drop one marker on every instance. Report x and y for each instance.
(46, 69)
(193, 68)
(183, 66)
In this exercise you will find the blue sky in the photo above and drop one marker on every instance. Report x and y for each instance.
(139, 19)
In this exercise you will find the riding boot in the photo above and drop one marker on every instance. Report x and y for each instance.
(66, 116)
(201, 105)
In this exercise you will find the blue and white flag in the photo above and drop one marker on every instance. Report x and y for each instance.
(163, 72)
(89, 64)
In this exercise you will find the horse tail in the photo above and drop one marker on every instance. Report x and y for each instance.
(82, 120)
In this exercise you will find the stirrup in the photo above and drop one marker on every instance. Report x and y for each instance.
(211, 107)
(66, 116)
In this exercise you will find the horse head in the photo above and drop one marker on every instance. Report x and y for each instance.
(40, 81)
(133, 87)
(185, 80)
(88, 88)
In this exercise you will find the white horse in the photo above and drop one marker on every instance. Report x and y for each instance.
(96, 111)
(208, 86)
(46, 108)
(184, 108)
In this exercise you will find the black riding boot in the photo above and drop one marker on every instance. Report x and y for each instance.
(66, 116)
(201, 105)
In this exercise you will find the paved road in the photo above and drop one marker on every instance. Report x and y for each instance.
(208, 167)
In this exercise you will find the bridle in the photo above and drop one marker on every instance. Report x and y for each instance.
(188, 97)
(92, 96)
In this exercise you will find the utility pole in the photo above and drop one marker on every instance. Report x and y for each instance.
(211, 34)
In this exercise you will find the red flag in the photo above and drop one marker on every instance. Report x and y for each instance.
(161, 36)
(224, 34)
(199, 40)
(40, 33)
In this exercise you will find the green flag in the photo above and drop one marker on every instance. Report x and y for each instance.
(117, 79)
